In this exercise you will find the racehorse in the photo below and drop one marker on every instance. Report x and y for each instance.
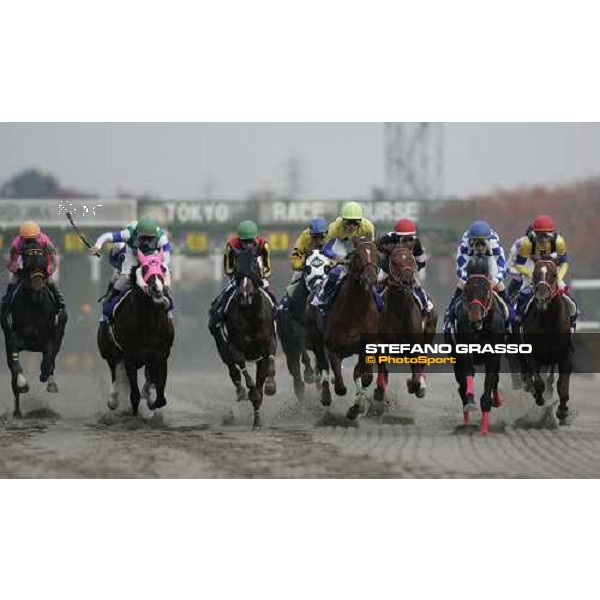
(480, 319)
(142, 334)
(401, 319)
(33, 324)
(354, 313)
(546, 326)
(292, 322)
(249, 334)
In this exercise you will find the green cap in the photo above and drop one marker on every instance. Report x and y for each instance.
(247, 230)
(147, 226)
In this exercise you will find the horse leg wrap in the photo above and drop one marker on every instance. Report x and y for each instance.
(470, 385)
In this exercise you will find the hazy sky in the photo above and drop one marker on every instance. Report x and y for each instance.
(338, 160)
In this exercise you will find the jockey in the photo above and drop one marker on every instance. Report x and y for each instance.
(544, 239)
(350, 224)
(31, 236)
(516, 281)
(311, 238)
(144, 235)
(405, 233)
(479, 240)
(246, 239)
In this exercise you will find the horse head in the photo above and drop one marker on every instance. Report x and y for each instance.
(478, 291)
(316, 266)
(545, 280)
(247, 275)
(364, 262)
(403, 267)
(150, 275)
(35, 272)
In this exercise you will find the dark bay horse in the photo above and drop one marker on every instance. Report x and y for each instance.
(33, 324)
(480, 319)
(249, 334)
(546, 326)
(292, 323)
(354, 313)
(401, 319)
(142, 334)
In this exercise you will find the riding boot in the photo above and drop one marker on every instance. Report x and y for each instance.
(422, 296)
(60, 300)
(450, 315)
(109, 304)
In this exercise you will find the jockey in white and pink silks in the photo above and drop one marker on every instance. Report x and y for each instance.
(31, 236)
(146, 236)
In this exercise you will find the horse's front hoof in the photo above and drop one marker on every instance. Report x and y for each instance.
(23, 389)
(113, 402)
(270, 387)
(353, 412)
(160, 403)
(411, 386)
(17, 414)
(256, 425)
(340, 390)
(52, 386)
(241, 395)
(470, 405)
(420, 392)
(539, 400)
(561, 415)
(43, 378)
(379, 394)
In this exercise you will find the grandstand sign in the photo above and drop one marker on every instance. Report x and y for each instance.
(195, 212)
(301, 212)
(52, 212)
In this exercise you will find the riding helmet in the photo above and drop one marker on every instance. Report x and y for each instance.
(29, 230)
(405, 227)
(247, 230)
(480, 229)
(544, 224)
(352, 211)
(147, 226)
(318, 226)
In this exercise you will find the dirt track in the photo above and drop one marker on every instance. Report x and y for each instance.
(74, 435)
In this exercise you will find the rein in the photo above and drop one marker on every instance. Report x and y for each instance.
(554, 289)
(352, 255)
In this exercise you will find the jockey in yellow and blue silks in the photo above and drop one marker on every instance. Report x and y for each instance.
(543, 240)
(350, 224)
(479, 240)
(517, 280)
(311, 238)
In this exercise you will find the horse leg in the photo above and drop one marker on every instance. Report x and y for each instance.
(380, 392)
(134, 390)
(270, 385)
(565, 366)
(293, 365)
(256, 392)
(159, 378)
(113, 396)
(309, 373)
(18, 382)
(47, 367)
(491, 373)
(538, 382)
(359, 406)
(338, 380)
(550, 381)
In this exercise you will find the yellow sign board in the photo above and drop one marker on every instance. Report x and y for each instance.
(196, 242)
(72, 243)
(279, 241)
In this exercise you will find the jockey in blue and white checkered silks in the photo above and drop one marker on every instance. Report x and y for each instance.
(479, 240)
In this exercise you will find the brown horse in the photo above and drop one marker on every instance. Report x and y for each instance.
(546, 326)
(401, 318)
(354, 314)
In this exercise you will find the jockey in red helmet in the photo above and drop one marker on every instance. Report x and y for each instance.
(405, 233)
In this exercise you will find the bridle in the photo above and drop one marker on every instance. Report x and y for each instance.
(396, 278)
(357, 274)
(486, 304)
